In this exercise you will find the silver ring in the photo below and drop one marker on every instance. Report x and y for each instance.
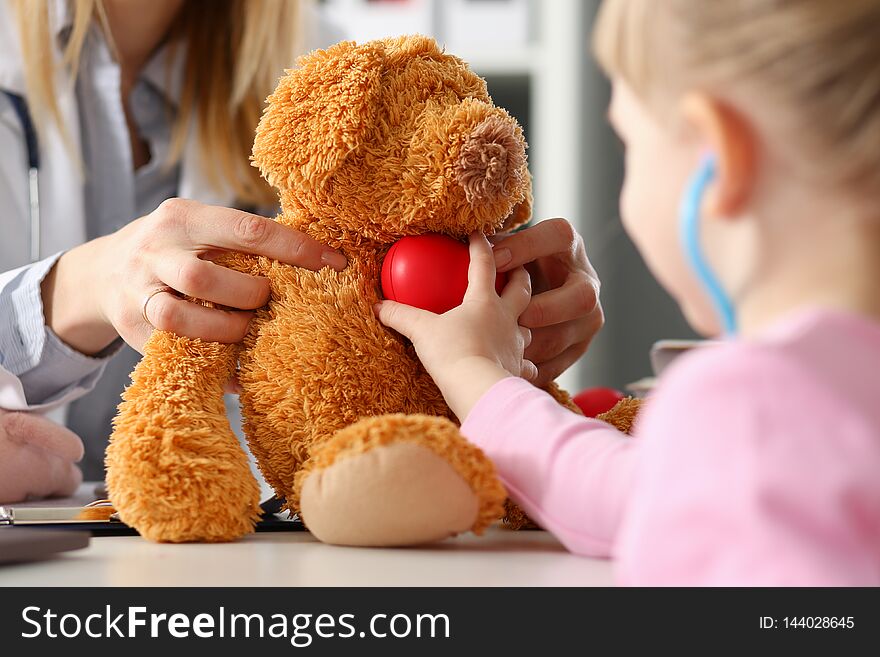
(147, 298)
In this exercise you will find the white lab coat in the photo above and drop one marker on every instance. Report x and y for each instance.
(63, 222)
(62, 203)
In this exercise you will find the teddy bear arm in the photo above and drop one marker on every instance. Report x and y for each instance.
(175, 470)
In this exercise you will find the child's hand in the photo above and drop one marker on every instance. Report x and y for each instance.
(476, 344)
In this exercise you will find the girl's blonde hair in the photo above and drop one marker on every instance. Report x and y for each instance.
(816, 60)
(235, 52)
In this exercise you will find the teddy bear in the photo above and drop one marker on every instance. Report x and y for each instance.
(366, 144)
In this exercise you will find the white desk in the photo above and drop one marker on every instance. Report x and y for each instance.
(498, 558)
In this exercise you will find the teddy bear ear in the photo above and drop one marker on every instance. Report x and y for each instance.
(316, 116)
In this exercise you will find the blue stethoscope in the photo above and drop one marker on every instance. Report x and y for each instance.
(689, 226)
(33, 157)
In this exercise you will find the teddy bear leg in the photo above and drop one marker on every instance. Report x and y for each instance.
(175, 470)
(396, 480)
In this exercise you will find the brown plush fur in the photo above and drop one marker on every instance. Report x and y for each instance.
(175, 470)
(366, 144)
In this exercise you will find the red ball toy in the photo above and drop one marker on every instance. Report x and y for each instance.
(595, 401)
(429, 272)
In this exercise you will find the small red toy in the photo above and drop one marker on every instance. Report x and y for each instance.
(595, 401)
(429, 272)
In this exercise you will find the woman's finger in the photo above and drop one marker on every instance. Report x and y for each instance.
(517, 294)
(526, 336)
(551, 237)
(35, 473)
(66, 478)
(402, 318)
(481, 269)
(203, 279)
(550, 341)
(41, 432)
(528, 371)
(548, 237)
(549, 370)
(209, 227)
(575, 298)
(167, 312)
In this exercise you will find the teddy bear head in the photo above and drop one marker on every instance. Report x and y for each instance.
(390, 138)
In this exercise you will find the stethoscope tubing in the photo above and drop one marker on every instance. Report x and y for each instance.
(33, 161)
(689, 226)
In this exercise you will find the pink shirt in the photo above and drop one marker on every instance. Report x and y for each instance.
(753, 463)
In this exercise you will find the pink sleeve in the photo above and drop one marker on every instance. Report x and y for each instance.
(571, 474)
(753, 472)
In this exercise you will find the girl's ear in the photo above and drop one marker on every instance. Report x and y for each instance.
(729, 137)
(317, 114)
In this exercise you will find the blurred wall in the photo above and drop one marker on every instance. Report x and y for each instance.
(637, 310)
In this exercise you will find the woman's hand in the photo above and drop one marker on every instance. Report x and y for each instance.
(564, 314)
(469, 348)
(37, 458)
(99, 290)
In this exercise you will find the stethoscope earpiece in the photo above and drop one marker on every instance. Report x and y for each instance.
(689, 225)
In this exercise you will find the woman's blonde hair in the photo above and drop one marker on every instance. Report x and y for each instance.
(235, 52)
(818, 61)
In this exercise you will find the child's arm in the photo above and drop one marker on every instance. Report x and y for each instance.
(570, 474)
